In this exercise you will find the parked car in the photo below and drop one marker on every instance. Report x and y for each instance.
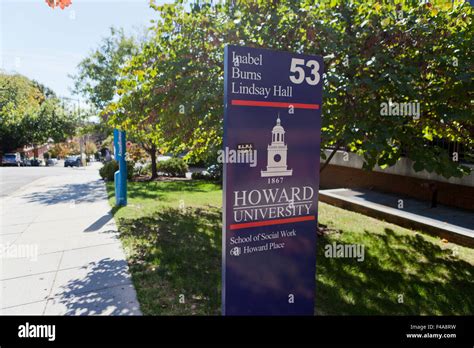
(214, 171)
(73, 161)
(36, 162)
(11, 159)
(52, 161)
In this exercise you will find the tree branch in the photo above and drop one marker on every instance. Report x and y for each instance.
(338, 146)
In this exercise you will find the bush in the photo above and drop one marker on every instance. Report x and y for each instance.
(108, 170)
(173, 167)
(200, 176)
(130, 170)
(213, 173)
(146, 169)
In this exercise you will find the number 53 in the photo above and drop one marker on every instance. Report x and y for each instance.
(299, 75)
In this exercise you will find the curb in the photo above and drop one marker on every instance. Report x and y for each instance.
(387, 214)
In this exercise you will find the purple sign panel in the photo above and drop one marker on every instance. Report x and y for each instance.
(272, 139)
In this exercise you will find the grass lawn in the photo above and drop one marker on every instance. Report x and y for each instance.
(171, 232)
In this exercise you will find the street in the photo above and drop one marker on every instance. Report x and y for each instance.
(59, 249)
(13, 178)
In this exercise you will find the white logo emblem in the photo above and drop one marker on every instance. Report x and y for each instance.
(276, 153)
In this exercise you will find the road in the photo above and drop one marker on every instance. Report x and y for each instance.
(14, 178)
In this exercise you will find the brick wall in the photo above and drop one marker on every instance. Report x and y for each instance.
(459, 196)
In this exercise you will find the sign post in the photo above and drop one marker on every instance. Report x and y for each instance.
(120, 176)
(272, 127)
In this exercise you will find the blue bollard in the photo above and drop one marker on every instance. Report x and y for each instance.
(120, 175)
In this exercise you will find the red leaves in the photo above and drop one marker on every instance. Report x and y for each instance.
(61, 3)
(64, 3)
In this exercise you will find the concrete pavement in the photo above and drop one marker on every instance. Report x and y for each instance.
(60, 253)
(455, 225)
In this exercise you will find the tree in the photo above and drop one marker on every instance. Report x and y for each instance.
(98, 80)
(61, 150)
(51, 122)
(146, 133)
(99, 131)
(90, 148)
(403, 51)
(136, 153)
(31, 114)
(98, 73)
(374, 53)
(18, 99)
(161, 97)
(133, 92)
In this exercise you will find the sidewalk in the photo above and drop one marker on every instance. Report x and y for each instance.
(455, 225)
(71, 260)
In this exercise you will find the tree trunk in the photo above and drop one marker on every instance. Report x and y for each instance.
(154, 171)
(338, 146)
(150, 148)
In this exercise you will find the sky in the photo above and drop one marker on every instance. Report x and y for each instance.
(46, 44)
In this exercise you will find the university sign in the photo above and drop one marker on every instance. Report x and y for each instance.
(273, 118)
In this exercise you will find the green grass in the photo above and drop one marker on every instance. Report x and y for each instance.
(174, 250)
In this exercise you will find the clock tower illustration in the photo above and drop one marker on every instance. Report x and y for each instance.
(276, 153)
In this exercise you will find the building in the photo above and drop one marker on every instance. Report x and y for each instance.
(29, 151)
(345, 171)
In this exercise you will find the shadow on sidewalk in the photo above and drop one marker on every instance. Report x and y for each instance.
(99, 223)
(105, 290)
(73, 193)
